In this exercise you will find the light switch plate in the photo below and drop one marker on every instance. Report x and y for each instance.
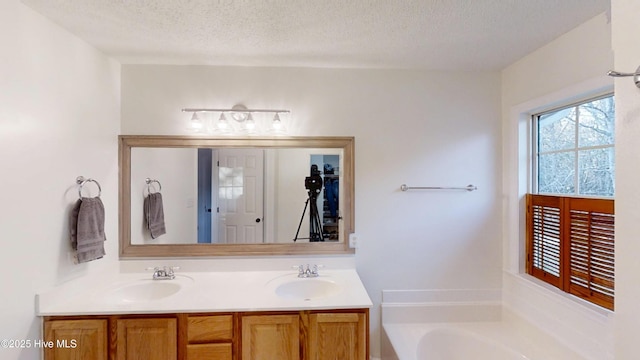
(353, 240)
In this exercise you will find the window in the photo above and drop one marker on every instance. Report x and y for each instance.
(574, 149)
(570, 216)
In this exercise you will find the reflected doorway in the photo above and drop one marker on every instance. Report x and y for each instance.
(230, 196)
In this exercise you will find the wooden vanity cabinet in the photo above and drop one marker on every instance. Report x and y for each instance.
(115, 337)
(76, 339)
(289, 335)
(306, 335)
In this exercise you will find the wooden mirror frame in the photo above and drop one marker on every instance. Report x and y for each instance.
(128, 250)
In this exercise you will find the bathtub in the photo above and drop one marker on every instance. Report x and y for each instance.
(462, 324)
(462, 341)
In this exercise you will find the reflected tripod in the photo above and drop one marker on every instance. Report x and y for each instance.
(315, 227)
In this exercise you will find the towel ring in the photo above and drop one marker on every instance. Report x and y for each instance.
(148, 181)
(80, 180)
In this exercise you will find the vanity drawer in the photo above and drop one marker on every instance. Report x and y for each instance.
(203, 329)
(209, 351)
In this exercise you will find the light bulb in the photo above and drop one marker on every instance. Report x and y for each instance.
(196, 123)
(222, 122)
(277, 124)
(249, 123)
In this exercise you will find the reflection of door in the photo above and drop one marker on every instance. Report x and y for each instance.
(241, 178)
(205, 163)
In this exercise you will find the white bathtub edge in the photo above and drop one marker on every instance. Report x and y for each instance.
(441, 305)
(438, 313)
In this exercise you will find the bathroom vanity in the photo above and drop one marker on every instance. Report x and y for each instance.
(319, 334)
(259, 315)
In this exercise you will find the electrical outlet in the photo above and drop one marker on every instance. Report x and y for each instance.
(353, 241)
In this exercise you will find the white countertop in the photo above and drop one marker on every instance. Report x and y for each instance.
(202, 292)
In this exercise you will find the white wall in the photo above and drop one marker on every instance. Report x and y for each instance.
(176, 170)
(570, 67)
(625, 29)
(59, 118)
(414, 127)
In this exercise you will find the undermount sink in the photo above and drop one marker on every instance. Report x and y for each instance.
(307, 288)
(147, 290)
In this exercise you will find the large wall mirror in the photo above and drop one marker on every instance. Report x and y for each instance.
(193, 196)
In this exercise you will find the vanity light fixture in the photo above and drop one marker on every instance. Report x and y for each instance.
(245, 121)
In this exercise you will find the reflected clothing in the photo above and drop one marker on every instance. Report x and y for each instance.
(331, 191)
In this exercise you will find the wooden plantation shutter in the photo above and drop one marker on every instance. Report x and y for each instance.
(570, 245)
(592, 250)
(543, 250)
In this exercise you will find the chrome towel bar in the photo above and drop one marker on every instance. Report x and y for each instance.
(636, 75)
(469, 187)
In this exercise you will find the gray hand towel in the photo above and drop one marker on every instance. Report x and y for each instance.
(154, 214)
(87, 229)
(73, 224)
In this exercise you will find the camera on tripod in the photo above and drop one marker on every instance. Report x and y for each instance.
(313, 184)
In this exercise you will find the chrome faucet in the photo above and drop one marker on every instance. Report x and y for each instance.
(164, 273)
(307, 272)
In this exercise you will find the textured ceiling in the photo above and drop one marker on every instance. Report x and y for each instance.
(425, 34)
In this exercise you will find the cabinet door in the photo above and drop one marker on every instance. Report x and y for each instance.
(149, 339)
(339, 336)
(270, 337)
(76, 339)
